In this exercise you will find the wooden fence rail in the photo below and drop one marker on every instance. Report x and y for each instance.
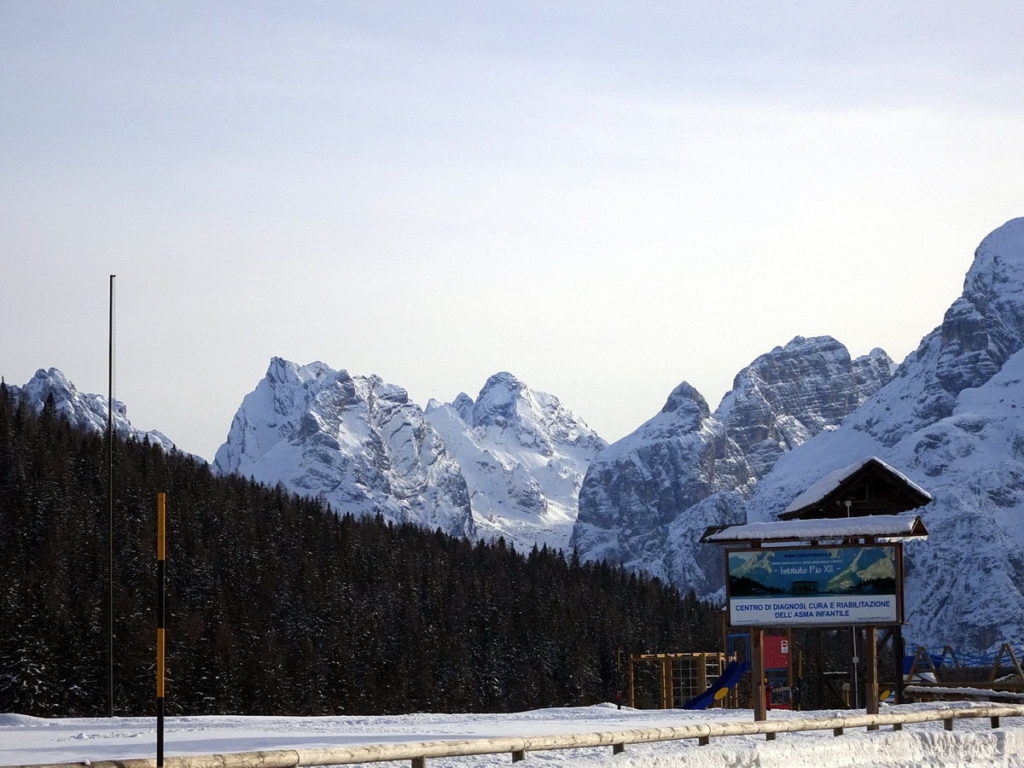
(517, 747)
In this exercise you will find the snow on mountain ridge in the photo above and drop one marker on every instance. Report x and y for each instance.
(82, 410)
(354, 441)
(523, 455)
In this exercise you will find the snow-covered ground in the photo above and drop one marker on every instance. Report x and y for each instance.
(28, 740)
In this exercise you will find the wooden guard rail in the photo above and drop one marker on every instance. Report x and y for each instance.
(419, 752)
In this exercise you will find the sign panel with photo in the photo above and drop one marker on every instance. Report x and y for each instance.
(811, 586)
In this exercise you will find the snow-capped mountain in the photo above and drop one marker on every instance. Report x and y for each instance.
(952, 420)
(354, 441)
(85, 411)
(647, 498)
(523, 455)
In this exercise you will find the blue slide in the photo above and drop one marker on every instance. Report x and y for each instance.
(729, 678)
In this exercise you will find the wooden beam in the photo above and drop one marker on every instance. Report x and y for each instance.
(871, 673)
(757, 670)
(631, 683)
(899, 651)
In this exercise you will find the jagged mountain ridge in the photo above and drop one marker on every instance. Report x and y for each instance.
(517, 454)
(82, 410)
(355, 442)
(508, 464)
(647, 498)
(952, 420)
(523, 455)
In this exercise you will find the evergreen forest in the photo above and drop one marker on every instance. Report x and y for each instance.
(278, 605)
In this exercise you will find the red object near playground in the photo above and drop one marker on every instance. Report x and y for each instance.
(776, 652)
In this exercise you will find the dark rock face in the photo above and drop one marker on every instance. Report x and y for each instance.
(986, 324)
(787, 396)
(647, 498)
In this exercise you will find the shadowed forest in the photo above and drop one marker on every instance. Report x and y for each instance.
(277, 605)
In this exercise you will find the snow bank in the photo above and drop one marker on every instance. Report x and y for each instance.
(25, 740)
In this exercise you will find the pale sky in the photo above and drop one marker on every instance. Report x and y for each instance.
(603, 198)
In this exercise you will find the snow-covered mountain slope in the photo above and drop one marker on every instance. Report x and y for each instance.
(85, 411)
(647, 498)
(523, 455)
(952, 420)
(357, 443)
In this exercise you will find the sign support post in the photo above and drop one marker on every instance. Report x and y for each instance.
(757, 670)
(871, 673)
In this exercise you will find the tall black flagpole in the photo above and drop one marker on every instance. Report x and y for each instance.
(110, 503)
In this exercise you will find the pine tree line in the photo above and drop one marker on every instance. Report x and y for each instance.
(276, 605)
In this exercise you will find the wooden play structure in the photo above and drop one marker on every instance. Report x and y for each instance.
(669, 680)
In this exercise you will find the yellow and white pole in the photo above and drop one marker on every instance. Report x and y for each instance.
(161, 572)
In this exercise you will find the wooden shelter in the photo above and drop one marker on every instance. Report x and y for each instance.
(869, 487)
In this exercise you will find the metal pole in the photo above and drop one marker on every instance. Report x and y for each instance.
(161, 572)
(110, 504)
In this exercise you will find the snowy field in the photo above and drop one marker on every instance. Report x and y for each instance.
(27, 740)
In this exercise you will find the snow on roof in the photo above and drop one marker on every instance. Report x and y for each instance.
(823, 528)
(833, 480)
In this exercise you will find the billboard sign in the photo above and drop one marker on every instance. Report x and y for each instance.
(815, 586)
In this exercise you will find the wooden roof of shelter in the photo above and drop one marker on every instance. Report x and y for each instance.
(869, 487)
(824, 529)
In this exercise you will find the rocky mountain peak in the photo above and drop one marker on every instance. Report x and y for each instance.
(986, 324)
(86, 411)
(873, 369)
(685, 399)
(463, 405)
(523, 455)
(355, 441)
(647, 497)
(500, 401)
(980, 331)
(788, 395)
